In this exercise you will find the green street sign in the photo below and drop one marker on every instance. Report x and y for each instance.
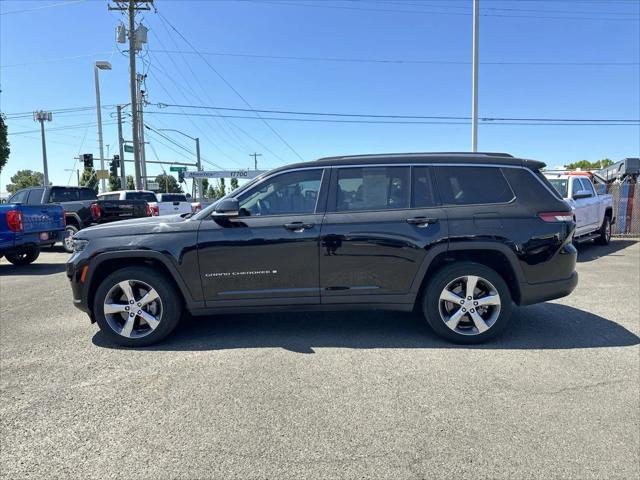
(128, 148)
(177, 169)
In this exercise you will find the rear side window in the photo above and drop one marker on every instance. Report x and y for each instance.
(61, 194)
(146, 196)
(35, 196)
(472, 185)
(87, 194)
(372, 188)
(422, 188)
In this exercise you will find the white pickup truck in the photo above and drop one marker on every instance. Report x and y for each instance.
(593, 212)
(173, 204)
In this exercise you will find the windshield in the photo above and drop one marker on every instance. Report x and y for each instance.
(561, 185)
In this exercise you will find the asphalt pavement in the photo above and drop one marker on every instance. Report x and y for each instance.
(324, 395)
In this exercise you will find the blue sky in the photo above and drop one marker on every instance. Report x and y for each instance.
(47, 50)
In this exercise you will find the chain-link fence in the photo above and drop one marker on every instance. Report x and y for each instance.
(626, 207)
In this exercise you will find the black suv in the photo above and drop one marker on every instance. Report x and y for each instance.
(457, 236)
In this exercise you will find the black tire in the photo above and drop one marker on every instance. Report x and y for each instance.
(605, 232)
(171, 306)
(24, 257)
(466, 333)
(66, 244)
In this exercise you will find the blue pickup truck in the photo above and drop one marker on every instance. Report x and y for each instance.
(23, 228)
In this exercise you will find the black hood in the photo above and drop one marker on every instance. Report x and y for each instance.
(135, 226)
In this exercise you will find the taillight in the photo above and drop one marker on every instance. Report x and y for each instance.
(14, 221)
(95, 211)
(156, 210)
(554, 217)
(196, 207)
(64, 217)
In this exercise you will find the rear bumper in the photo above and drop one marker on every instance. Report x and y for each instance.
(531, 293)
(33, 240)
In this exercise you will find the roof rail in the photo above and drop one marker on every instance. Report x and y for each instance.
(414, 154)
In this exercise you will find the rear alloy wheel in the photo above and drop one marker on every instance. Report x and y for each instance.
(136, 306)
(605, 232)
(467, 303)
(24, 257)
(67, 243)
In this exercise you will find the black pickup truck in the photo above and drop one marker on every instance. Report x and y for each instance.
(82, 207)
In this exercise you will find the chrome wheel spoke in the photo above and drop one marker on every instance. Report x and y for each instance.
(127, 329)
(127, 290)
(115, 308)
(488, 300)
(472, 281)
(454, 319)
(449, 296)
(479, 322)
(149, 297)
(150, 319)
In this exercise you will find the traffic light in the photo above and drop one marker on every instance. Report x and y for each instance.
(87, 158)
(180, 176)
(113, 167)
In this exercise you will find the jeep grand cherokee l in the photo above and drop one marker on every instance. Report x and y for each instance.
(459, 237)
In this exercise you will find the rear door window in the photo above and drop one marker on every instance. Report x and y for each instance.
(62, 194)
(422, 188)
(35, 196)
(372, 188)
(472, 185)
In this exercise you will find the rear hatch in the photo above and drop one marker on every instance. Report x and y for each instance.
(42, 218)
(173, 204)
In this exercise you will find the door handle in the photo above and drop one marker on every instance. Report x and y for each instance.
(298, 226)
(421, 221)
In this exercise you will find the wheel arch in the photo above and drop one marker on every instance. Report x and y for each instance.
(497, 257)
(107, 263)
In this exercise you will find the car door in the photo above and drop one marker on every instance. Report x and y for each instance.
(581, 207)
(591, 204)
(377, 230)
(269, 254)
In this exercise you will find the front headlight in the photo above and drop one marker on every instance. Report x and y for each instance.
(78, 244)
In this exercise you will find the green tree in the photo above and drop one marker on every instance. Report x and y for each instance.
(168, 184)
(211, 192)
(205, 187)
(25, 179)
(4, 143)
(221, 189)
(88, 179)
(234, 183)
(587, 165)
(114, 183)
(131, 184)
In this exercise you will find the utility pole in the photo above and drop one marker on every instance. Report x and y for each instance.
(143, 158)
(200, 196)
(255, 159)
(42, 116)
(474, 90)
(100, 66)
(131, 7)
(123, 178)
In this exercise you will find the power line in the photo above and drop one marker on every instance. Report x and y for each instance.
(238, 94)
(424, 12)
(393, 61)
(62, 4)
(484, 121)
(369, 115)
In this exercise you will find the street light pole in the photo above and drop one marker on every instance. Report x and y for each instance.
(41, 116)
(96, 67)
(198, 161)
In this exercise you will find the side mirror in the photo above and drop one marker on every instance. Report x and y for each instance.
(229, 207)
(581, 194)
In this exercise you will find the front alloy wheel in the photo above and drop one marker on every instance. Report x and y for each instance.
(137, 306)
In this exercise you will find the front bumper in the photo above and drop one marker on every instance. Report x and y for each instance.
(531, 293)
